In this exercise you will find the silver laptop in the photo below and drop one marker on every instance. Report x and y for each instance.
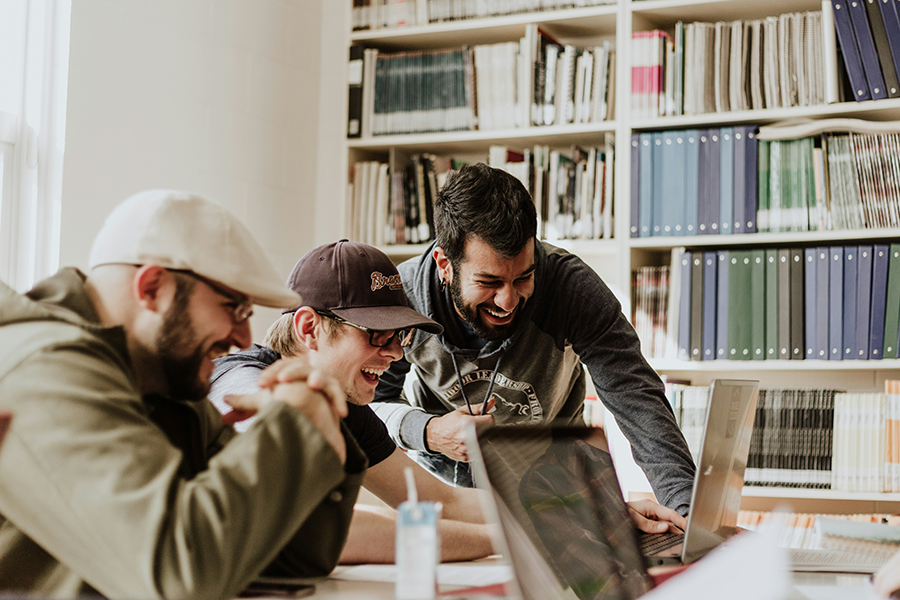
(716, 496)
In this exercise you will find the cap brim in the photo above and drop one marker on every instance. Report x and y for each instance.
(274, 298)
(388, 317)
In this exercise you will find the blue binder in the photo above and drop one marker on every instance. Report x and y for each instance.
(646, 191)
(726, 180)
(863, 300)
(740, 179)
(635, 185)
(866, 44)
(836, 303)
(892, 29)
(676, 183)
(851, 273)
(751, 166)
(668, 196)
(850, 51)
(823, 258)
(660, 192)
(691, 181)
(880, 259)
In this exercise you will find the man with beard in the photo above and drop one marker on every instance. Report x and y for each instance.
(522, 319)
(118, 475)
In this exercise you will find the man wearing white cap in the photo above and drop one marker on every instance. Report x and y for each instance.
(118, 475)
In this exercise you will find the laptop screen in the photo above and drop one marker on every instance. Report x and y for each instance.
(558, 487)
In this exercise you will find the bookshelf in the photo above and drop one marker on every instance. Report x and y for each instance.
(615, 258)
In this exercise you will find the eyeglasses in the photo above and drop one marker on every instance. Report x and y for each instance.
(243, 307)
(380, 338)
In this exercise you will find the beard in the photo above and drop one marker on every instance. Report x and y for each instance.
(181, 371)
(489, 333)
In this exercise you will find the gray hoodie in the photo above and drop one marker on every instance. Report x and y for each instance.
(572, 321)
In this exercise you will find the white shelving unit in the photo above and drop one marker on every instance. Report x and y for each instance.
(614, 259)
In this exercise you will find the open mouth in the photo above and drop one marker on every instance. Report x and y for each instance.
(497, 317)
(371, 375)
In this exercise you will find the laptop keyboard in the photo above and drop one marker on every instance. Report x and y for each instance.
(651, 543)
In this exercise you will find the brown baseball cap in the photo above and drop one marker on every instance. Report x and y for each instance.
(356, 282)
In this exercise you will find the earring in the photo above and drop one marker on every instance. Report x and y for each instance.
(443, 284)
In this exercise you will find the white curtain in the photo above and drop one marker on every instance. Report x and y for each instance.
(34, 57)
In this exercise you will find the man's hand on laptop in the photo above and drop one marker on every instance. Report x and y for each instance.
(651, 517)
(887, 579)
(446, 434)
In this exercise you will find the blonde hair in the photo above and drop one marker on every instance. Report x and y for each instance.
(282, 338)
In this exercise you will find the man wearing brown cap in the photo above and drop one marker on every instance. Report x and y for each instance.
(118, 476)
(352, 325)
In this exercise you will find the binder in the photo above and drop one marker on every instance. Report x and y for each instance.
(892, 304)
(880, 259)
(771, 304)
(739, 282)
(823, 259)
(646, 189)
(797, 346)
(850, 52)
(726, 180)
(835, 303)
(758, 304)
(691, 181)
(740, 179)
(810, 292)
(668, 195)
(891, 21)
(751, 158)
(684, 308)
(659, 195)
(851, 274)
(866, 44)
(635, 185)
(784, 304)
(863, 300)
(722, 304)
(677, 183)
(696, 306)
(710, 261)
(707, 180)
(883, 48)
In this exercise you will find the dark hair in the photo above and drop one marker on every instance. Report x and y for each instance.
(487, 203)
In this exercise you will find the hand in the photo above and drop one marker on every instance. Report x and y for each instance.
(887, 579)
(298, 370)
(655, 518)
(321, 412)
(445, 434)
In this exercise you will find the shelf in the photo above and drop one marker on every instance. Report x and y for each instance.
(758, 239)
(774, 365)
(571, 24)
(807, 494)
(873, 110)
(588, 247)
(664, 12)
(404, 250)
(474, 141)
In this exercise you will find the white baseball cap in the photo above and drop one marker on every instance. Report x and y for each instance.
(180, 230)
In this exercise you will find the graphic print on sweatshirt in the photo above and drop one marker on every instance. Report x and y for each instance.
(516, 401)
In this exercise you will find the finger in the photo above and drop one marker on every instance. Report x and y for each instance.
(236, 416)
(484, 407)
(645, 524)
(251, 403)
(664, 513)
(331, 389)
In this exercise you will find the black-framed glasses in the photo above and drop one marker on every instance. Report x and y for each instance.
(243, 306)
(380, 338)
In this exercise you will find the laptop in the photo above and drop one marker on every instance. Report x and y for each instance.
(565, 525)
(716, 495)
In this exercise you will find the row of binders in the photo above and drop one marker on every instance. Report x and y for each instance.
(729, 66)
(734, 180)
(380, 14)
(533, 82)
(868, 33)
(809, 438)
(825, 303)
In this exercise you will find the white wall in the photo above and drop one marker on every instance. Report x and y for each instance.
(221, 97)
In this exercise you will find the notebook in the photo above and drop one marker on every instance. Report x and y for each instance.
(716, 496)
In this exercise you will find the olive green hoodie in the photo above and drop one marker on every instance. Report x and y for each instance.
(101, 489)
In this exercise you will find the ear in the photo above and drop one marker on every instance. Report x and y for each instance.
(306, 326)
(153, 287)
(445, 269)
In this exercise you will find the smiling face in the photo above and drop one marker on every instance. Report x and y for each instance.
(488, 290)
(198, 327)
(344, 353)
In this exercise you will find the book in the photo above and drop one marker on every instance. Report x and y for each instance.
(635, 228)
(684, 307)
(355, 92)
(883, 47)
(696, 303)
(727, 180)
(691, 181)
(784, 304)
(758, 304)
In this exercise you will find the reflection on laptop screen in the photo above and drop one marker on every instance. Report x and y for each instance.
(561, 490)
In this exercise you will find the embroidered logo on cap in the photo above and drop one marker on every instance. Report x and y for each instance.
(379, 281)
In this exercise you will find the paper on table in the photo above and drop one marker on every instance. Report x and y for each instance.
(464, 574)
(733, 571)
